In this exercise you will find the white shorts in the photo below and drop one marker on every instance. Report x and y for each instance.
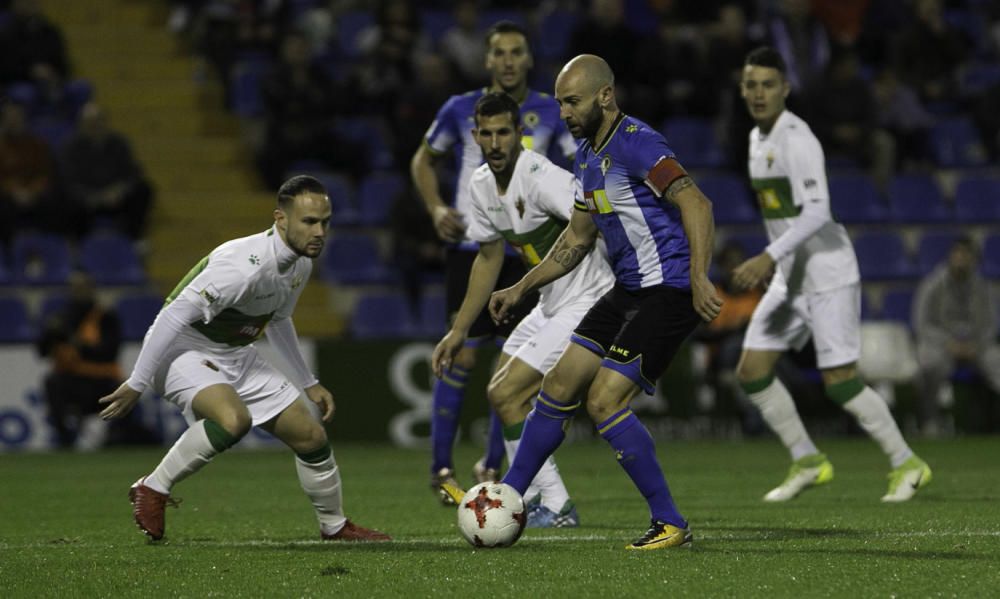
(832, 318)
(539, 340)
(265, 390)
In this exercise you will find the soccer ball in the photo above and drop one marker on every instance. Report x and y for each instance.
(491, 515)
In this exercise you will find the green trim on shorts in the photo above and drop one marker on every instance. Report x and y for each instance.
(845, 391)
(316, 456)
(512, 432)
(758, 385)
(220, 438)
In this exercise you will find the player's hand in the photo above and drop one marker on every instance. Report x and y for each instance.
(445, 351)
(448, 223)
(120, 402)
(706, 300)
(754, 271)
(503, 301)
(319, 395)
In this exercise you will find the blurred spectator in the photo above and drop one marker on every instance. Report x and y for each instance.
(844, 19)
(902, 114)
(954, 319)
(802, 42)
(389, 48)
(987, 119)
(32, 49)
(841, 108)
(724, 336)
(224, 29)
(300, 101)
(82, 340)
(101, 175)
(603, 32)
(728, 45)
(463, 46)
(670, 76)
(413, 110)
(929, 52)
(28, 196)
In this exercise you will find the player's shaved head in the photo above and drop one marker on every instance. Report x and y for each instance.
(589, 72)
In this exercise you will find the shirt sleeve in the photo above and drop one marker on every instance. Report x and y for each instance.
(443, 133)
(807, 177)
(479, 226)
(286, 310)
(554, 189)
(168, 324)
(651, 160)
(282, 336)
(220, 285)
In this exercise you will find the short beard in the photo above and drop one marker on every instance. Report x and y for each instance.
(592, 122)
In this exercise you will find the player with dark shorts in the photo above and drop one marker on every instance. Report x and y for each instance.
(659, 230)
(508, 59)
(458, 264)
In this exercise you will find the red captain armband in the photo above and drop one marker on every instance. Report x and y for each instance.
(663, 173)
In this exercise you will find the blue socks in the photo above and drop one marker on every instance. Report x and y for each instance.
(544, 431)
(449, 391)
(495, 450)
(636, 453)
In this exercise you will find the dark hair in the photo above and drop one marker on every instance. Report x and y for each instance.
(506, 27)
(967, 243)
(296, 186)
(766, 56)
(495, 103)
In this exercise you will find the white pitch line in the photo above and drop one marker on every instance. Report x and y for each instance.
(449, 542)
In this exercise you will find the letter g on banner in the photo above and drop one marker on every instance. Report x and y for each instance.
(418, 397)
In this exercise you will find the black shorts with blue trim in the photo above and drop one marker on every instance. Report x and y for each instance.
(638, 332)
(458, 265)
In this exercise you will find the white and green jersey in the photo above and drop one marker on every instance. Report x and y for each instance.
(531, 215)
(788, 173)
(240, 286)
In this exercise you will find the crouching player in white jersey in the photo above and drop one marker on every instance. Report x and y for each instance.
(520, 197)
(199, 355)
(815, 291)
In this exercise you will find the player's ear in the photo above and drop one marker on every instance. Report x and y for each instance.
(786, 88)
(280, 218)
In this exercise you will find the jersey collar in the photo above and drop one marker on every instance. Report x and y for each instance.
(284, 255)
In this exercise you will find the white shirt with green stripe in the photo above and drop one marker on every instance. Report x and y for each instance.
(531, 215)
(242, 289)
(788, 172)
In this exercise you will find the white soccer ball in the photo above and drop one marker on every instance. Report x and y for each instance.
(491, 515)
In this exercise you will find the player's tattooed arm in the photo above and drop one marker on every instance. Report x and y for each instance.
(568, 257)
(677, 187)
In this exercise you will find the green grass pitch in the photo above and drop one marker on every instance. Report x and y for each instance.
(244, 529)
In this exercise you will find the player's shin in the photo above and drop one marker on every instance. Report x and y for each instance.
(547, 486)
(778, 410)
(449, 391)
(872, 413)
(320, 479)
(544, 431)
(636, 454)
(494, 444)
(190, 453)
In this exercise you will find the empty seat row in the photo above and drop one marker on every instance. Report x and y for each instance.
(45, 259)
(17, 325)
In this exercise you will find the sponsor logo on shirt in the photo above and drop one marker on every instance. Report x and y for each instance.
(631, 128)
(519, 204)
(210, 294)
(254, 260)
(770, 158)
(809, 183)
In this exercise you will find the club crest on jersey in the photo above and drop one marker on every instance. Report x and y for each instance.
(770, 158)
(296, 281)
(632, 128)
(210, 294)
(605, 164)
(530, 119)
(519, 204)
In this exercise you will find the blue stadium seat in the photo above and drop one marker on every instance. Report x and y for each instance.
(882, 256)
(136, 313)
(77, 93)
(897, 305)
(693, 140)
(977, 200)
(732, 201)
(854, 199)
(752, 243)
(367, 134)
(40, 259)
(917, 198)
(349, 25)
(246, 100)
(555, 31)
(54, 302)
(111, 259)
(488, 17)
(977, 77)
(343, 197)
(955, 143)
(4, 267)
(15, 324)
(354, 258)
(990, 258)
(432, 315)
(382, 316)
(377, 194)
(436, 23)
(54, 129)
(933, 249)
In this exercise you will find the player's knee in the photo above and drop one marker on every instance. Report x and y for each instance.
(312, 439)
(498, 392)
(237, 422)
(465, 358)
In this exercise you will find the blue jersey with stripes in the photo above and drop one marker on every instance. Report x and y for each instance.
(452, 128)
(646, 242)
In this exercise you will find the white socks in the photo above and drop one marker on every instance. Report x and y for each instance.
(189, 454)
(321, 483)
(778, 409)
(874, 416)
(547, 482)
